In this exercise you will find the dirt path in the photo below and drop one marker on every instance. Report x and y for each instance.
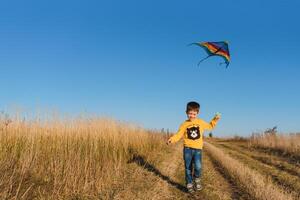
(165, 180)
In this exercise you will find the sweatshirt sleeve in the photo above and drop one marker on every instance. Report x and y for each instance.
(179, 134)
(211, 125)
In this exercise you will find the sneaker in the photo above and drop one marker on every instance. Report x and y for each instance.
(190, 188)
(198, 185)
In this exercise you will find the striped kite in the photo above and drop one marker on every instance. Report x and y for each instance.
(215, 49)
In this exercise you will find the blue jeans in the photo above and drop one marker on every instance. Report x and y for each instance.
(192, 162)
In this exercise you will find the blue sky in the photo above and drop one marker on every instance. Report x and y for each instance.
(129, 60)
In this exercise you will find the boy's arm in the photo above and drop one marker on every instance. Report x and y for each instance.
(178, 135)
(211, 125)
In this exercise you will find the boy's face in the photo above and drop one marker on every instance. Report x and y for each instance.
(192, 114)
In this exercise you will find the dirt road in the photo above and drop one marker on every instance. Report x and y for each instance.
(165, 180)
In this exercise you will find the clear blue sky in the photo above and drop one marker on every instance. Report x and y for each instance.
(130, 60)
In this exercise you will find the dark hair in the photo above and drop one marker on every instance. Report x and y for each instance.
(192, 105)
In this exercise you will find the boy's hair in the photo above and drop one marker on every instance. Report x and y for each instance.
(192, 105)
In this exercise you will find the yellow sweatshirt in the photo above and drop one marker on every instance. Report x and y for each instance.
(192, 132)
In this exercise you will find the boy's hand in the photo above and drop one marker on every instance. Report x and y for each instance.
(217, 116)
(168, 142)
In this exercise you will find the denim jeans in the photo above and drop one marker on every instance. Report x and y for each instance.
(192, 162)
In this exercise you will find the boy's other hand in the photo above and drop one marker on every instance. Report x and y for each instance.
(168, 142)
(217, 116)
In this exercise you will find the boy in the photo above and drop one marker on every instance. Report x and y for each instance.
(192, 132)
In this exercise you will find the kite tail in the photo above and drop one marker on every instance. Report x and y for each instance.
(203, 59)
(226, 63)
(194, 43)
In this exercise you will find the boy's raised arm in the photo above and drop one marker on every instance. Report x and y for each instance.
(211, 125)
(178, 135)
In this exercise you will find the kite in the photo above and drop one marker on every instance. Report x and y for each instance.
(215, 49)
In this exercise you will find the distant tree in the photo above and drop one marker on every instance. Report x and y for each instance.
(271, 131)
(210, 135)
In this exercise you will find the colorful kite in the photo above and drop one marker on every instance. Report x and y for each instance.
(216, 49)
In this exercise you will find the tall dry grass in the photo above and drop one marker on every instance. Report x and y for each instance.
(254, 183)
(70, 159)
(285, 143)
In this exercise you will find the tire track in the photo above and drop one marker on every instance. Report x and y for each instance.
(247, 179)
(289, 158)
(268, 160)
(236, 192)
(281, 178)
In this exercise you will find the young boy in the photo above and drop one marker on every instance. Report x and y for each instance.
(192, 132)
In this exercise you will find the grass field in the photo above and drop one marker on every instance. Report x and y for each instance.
(96, 158)
(71, 159)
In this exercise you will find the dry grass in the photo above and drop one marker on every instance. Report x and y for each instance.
(285, 143)
(250, 181)
(70, 159)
